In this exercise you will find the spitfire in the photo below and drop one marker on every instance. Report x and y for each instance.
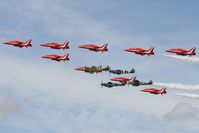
(111, 84)
(91, 70)
(118, 71)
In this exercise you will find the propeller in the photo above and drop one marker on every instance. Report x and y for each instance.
(101, 84)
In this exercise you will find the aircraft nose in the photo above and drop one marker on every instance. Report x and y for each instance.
(44, 57)
(167, 50)
(5, 43)
(78, 68)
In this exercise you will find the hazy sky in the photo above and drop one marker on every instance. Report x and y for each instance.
(38, 95)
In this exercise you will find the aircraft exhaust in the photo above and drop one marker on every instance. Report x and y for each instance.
(178, 86)
(192, 59)
(193, 96)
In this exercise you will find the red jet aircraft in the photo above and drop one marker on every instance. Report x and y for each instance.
(95, 48)
(91, 70)
(141, 51)
(124, 80)
(183, 52)
(19, 44)
(155, 91)
(54, 45)
(57, 57)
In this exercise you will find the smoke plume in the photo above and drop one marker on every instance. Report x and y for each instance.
(194, 96)
(178, 86)
(192, 59)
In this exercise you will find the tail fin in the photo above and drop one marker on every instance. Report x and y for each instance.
(163, 90)
(192, 51)
(99, 67)
(150, 50)
(132, 79)
(65, 45)
(28, 42)
(65, 57)
(104, 47)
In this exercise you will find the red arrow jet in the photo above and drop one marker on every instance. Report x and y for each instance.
(19, 44)
(124, 80)
(141, 51)
(155, 91)
(55, 45)
(183, 52)
(91, 70)
(94, 47)
(57, 57)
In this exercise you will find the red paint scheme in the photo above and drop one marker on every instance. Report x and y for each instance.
(124, 80)
(57, 57)
(94, 47)
(87, 69)
(183, 52)
(141, 51)
(19, 44)
(55, 45)
(155, 91)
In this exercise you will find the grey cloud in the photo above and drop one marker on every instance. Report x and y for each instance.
(7, 105)
(182, 112)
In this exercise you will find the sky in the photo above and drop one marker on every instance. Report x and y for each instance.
(38, 95)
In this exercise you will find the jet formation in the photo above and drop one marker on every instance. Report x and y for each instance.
(122, 81)
(114, 82)
(99, 69)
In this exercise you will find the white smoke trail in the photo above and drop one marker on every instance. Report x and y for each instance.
(192, 59)
(194, 96)
(178, 86)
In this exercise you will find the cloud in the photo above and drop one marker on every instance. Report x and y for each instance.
(8, 105)
(58, 98)
(182, 112)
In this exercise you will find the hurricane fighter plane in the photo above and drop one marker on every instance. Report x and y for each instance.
(111, 84)
(55, 45)
(17, 43)
(57, 57)
(94, 47)
(155, 91)
(141, 51)
(138, 83)
(91, 70)
(183, 52)
(118, 71)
